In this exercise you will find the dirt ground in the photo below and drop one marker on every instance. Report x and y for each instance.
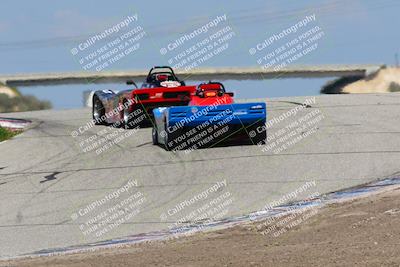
(386, 80)
(365, 232)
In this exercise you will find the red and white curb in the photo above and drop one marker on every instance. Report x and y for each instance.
(14, 124)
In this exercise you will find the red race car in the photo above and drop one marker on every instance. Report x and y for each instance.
(133, 107)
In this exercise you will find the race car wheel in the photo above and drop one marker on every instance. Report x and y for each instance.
(127, 117)
(98, 111)
(154, 135)
(168, 140)
(258, 137)
(261, 139)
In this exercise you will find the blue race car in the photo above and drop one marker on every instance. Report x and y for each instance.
(211, 118)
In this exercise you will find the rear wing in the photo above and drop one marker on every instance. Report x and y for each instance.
(243, 113)
(164, 93)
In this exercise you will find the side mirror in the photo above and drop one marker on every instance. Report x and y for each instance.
(230, 93)
(130, 82)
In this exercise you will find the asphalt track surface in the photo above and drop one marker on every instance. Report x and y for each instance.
(45, 177)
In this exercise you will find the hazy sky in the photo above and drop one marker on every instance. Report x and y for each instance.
(37, 36)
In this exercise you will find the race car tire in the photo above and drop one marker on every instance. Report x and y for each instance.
(132, 119)
(258, 137)
(98, 111)
(127, 117)
(167, 139)
(169, 142)
(154, 135)
(261, 139)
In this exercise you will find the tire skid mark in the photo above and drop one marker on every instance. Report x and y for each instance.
(210, 159)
